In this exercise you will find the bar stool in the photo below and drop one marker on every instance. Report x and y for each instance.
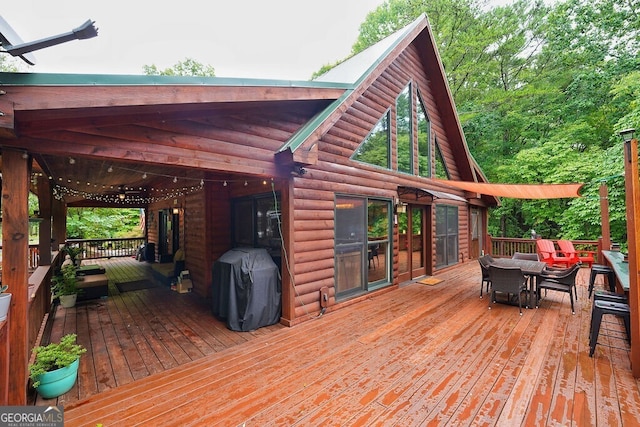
(609, 296)
(602, 269)
(600, 308)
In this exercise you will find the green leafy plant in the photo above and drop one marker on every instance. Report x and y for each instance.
(3, 288)
(65, 282)
(54, 356)
(73, 252)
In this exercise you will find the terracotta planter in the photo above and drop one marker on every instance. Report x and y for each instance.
(58, 382)
(5, 303)
(68, 301)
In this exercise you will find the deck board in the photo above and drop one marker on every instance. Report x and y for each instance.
(417, 355)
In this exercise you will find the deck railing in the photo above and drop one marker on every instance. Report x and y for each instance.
(505, 247)
(107, 248)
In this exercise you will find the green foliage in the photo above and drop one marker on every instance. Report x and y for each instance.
(541, 93)
(54, 356)
(103, 223)
(188, 67)
(3, 288)
(11, 64)
(72, 251)
(65, 282)
(375, 147)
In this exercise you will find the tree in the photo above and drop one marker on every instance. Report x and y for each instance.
(188, 67)
(103, 223)
(541, 93)
(11, 64)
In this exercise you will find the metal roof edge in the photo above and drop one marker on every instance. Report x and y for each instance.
(52, 79)
(402, 34)
(298, 138)
(303, 133)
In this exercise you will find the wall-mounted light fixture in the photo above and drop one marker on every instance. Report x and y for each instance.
(298, 170)
(401, 207)
(176, 211)
(627, 136)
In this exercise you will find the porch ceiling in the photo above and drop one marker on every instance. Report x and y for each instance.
(91, 154)
(95, 182)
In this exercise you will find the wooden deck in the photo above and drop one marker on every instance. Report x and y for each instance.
(417, 355)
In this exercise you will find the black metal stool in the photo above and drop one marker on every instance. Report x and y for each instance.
(600, 308)
(602, 269)
(610, 296)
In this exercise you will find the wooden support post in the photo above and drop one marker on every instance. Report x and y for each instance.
(59, 225)
(604, 216)
(632, 197)
(288, 294)
(44, 203)
(15, 252)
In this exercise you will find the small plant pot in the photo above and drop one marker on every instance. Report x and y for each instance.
(68, 301)
(58, 382)
(5, 303)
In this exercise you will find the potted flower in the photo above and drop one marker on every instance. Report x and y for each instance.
(55, 368)
(65, 285)
(5, 302)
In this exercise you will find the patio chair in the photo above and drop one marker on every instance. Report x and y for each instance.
(509, 280)
(585, 257)
(559, 280)
(484, 262)
(548, 254)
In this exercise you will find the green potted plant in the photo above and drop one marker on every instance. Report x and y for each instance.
(73, 252)
(5, 302)
(65, 285)
(55, 367)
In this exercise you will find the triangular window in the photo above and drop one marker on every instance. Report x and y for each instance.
(424, 140)
(404, 131)
(375, 147)
(441, 166)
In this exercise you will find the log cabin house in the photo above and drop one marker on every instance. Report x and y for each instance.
(334, 177)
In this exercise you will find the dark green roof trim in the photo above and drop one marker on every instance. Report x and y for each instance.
(50, 79)
(305, 131)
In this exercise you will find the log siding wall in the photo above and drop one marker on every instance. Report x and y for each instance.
(335, 172)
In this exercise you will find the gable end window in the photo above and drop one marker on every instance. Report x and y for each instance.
(424, 139)
(375, 148)
(404, 130)
(441, 166)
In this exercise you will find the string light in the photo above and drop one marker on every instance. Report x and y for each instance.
(160, 194)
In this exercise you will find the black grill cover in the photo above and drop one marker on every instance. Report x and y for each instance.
(246, 289)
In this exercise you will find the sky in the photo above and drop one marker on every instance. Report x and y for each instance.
(266, 39)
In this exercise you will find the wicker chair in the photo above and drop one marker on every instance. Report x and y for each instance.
(525, 256)
(559, 280)
(484, 262)
(509, 280)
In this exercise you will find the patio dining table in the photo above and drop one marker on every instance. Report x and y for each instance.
(533, 269)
